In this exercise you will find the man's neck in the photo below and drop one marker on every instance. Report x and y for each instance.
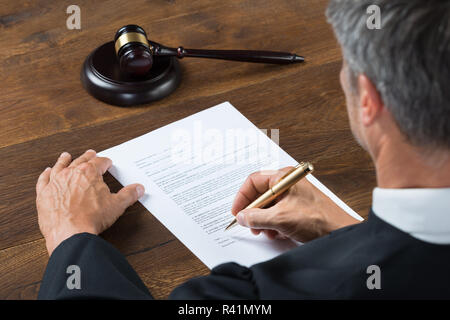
(404, 166)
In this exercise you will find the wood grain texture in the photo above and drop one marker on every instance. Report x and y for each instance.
(39, 45)
(46, 111)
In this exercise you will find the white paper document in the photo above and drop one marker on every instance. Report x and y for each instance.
(192, 170)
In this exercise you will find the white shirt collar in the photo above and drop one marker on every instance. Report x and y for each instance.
(423, 213)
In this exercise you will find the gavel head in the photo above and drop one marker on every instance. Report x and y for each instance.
(133, 50)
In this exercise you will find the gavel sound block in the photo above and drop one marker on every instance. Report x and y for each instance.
(102, 78)
(133, 70)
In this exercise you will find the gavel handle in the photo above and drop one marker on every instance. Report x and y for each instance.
(234, 55)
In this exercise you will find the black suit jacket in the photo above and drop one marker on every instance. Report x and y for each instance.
(331, 267)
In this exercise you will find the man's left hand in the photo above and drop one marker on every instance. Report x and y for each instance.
(73, 198)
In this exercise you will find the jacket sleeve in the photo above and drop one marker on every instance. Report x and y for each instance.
(87, 267)
(228, 281)
(104, 273)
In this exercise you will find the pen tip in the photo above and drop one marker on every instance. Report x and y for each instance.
(298, 58)
(230, 225)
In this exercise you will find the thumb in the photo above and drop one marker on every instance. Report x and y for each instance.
(256, 218)
(130, 194)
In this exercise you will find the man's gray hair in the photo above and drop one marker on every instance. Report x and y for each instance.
(408, 60)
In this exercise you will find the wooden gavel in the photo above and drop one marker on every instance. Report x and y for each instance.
(135, 52)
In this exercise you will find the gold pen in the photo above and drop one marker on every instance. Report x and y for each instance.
(287, 181)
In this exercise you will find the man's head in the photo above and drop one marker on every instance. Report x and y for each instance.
(396, 79)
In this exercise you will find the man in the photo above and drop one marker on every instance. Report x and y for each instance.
(395, 81)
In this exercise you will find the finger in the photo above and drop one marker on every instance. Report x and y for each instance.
(129, 195)
(43, 180)
(102, 164)
(85, 157)
(62, 162)
(255, 185)
(257, 218)
(271, 234)
(89, 170)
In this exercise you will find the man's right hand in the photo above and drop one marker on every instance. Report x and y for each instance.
(302, 213)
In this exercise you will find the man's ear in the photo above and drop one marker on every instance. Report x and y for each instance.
(370, 101)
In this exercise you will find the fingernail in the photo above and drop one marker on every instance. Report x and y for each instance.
(241, 219)
(46, 169)
(90, 150)
(64, 154)
(140, 191)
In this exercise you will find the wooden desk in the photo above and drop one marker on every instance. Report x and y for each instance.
(44, 111)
